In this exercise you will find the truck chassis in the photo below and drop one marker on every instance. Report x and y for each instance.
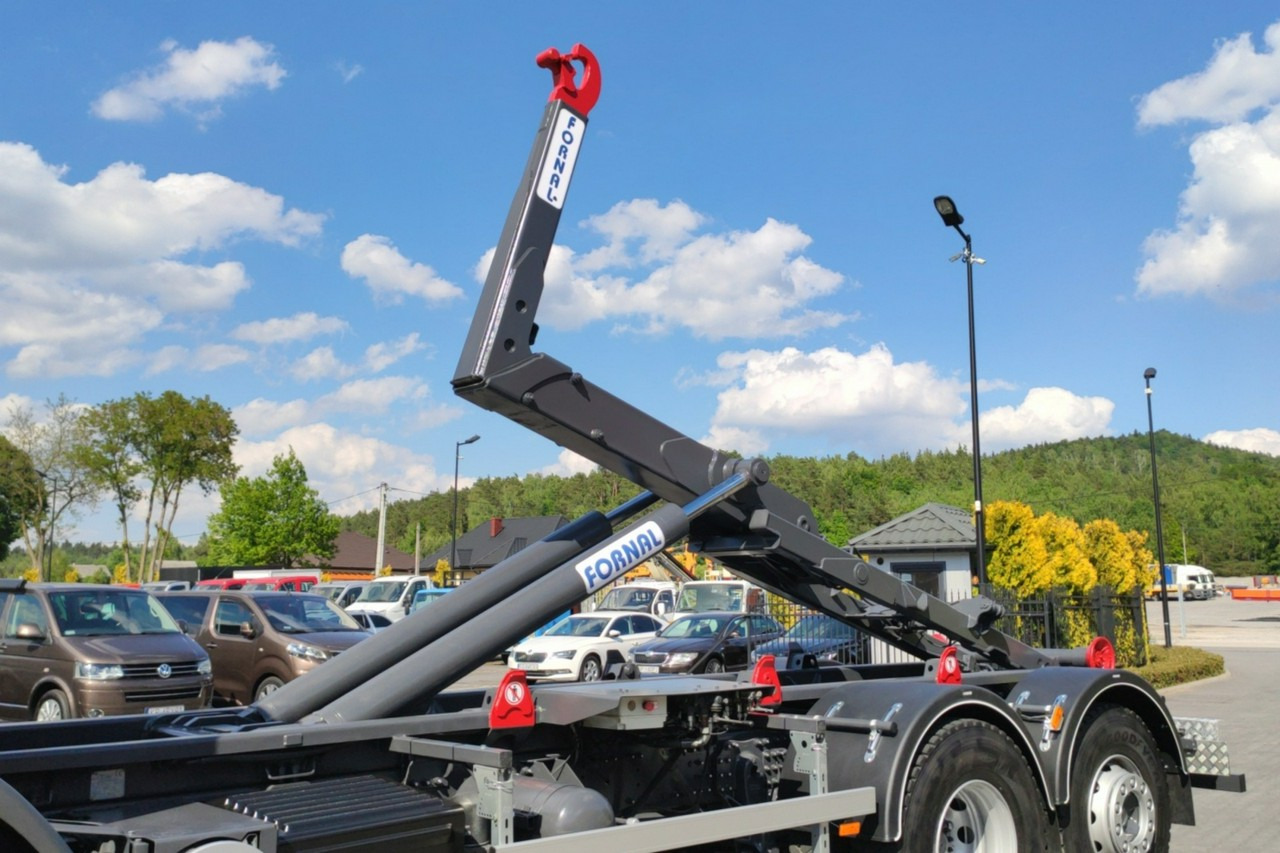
(984, 744)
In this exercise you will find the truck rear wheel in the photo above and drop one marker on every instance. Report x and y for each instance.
(1118, 791)
(971, 791)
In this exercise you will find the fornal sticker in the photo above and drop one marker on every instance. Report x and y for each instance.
(617, 558)
(562, 153)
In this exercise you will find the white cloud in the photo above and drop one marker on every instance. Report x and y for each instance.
(340, 464)
(390, 275)
(367, 397)
(371, 396)
(349, 72)
(1237, 81)
(379, 357)
(299, 327)
(568, 464)
(1259, 440)
(89, 269)
(1045, 415)
(320, 363)
(205, 359)
(1223, 241)
(877, 406)
(866, 402)
(193, 80)
(654, 274)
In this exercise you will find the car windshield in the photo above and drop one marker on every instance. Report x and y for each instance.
(587, 626)
(259, 585)
(711, 596)
(627, 599)
(297, 614)
(93, 612)
(694, 626)
(382, 592)
(820, 628)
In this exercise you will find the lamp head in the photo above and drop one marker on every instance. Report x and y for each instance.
(947, 210)
(1149, 373)
(471, 440)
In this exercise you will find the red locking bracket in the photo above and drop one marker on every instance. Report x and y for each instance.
(581, 97)
(512, 703)
(766, 675)
(948, 667)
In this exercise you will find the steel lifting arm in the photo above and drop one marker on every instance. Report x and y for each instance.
(763, 533)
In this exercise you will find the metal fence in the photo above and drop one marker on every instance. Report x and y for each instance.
(1055, 619)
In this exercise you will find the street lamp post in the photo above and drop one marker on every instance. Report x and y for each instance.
(952, 219)
(1147, 376)
(457, 455)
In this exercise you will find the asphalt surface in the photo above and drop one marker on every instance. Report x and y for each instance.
(1246, 701)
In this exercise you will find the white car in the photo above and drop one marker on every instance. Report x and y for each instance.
(582, 646)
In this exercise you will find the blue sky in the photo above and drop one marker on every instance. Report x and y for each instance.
(289, 206)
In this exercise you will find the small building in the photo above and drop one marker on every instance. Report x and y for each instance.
(932, 548)
(354, 558)
(484, 546)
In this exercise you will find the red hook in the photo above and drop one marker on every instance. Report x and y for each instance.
(582, 98)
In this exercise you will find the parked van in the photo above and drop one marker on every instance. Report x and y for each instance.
(390, 595)
(340, 593)
(657, 598)
(704, 596)
(90, 650)
(1195, 583)
(281, 583)
(261, 640)
(219, 583)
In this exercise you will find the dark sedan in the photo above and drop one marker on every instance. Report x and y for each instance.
(705, 642)
(824, 637)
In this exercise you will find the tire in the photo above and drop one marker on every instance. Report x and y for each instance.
(266, 687)
(1119, 791)
(591, 669)
(713, 665)
(51, 707)
(970, 791)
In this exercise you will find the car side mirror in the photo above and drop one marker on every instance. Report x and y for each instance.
(615, 634)
(247, 630)
(30, 631)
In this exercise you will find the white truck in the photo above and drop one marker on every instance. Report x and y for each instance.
(1191, 583)
(390, 595)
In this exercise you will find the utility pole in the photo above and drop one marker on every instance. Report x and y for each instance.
(382, 530)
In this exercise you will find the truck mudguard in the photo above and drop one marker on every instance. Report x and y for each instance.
(876, 729)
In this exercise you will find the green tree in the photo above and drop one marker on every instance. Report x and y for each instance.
(277, 519)
(111, 456)
(19, 490)
(145, 448)
(63, 484)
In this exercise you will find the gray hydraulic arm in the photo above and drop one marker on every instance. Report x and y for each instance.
(763, 532)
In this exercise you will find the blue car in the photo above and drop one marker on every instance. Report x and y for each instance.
(826, 638)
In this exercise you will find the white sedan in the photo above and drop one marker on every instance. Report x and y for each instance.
(581, 647)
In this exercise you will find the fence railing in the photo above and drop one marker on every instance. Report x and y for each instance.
(1055, 619)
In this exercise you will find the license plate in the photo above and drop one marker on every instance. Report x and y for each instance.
(648, 668)
(166, 709)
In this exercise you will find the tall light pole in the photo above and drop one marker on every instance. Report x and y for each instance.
(457, 455)
(1147, 376)
(952, 219)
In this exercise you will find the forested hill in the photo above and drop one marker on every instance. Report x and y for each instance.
(1226, 502)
